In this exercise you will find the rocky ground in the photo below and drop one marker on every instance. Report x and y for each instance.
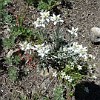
(83, 14)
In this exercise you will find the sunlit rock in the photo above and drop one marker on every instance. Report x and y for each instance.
(95, 34)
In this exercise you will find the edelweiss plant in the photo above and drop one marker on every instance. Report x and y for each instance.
(69, 58)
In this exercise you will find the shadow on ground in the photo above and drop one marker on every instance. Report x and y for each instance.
(1, 48)
(87, 91)
(3, 68)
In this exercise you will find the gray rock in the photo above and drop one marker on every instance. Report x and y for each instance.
(95, 34)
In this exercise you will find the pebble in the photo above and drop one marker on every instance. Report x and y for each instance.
(95, 34)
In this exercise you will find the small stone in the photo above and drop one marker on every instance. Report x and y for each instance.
(95, 34)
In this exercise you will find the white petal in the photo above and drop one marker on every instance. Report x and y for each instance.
(55, 23)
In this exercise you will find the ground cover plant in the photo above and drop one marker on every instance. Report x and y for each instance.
(37, 48)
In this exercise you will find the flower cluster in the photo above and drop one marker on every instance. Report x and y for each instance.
(79, 67)
(46, 18)
(66, 77)
(74, 57)
(70, 58)
(45, 15)
(42, 49)
(25, 46)
(39, 23)
(56, 19)
(78, 49)
(74, 50)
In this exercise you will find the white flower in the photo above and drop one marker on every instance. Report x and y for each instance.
(72, 64)
(42, 21)
(45, 15)
(25, 46)
(91, 56)
(73, 31)
(68, 78)
(85, 57)
(42, 49)
(63, 74)
(39, 46)
(39, 22)
(74, 47)
(65, 48)
(78, 49)
(83, 51)
(56, 19)
(94, 77)
(90, 67)
(79, 67)
(91, 71)
(94, 65)
(54, 74)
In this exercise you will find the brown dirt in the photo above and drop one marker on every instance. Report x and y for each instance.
(84, 14)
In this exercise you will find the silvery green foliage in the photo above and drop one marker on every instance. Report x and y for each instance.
(58, 93)
(13, 74)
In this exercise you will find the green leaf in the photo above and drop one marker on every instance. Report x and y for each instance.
(43, 5)
(58, 93)
(12, 73)
(9, 42)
